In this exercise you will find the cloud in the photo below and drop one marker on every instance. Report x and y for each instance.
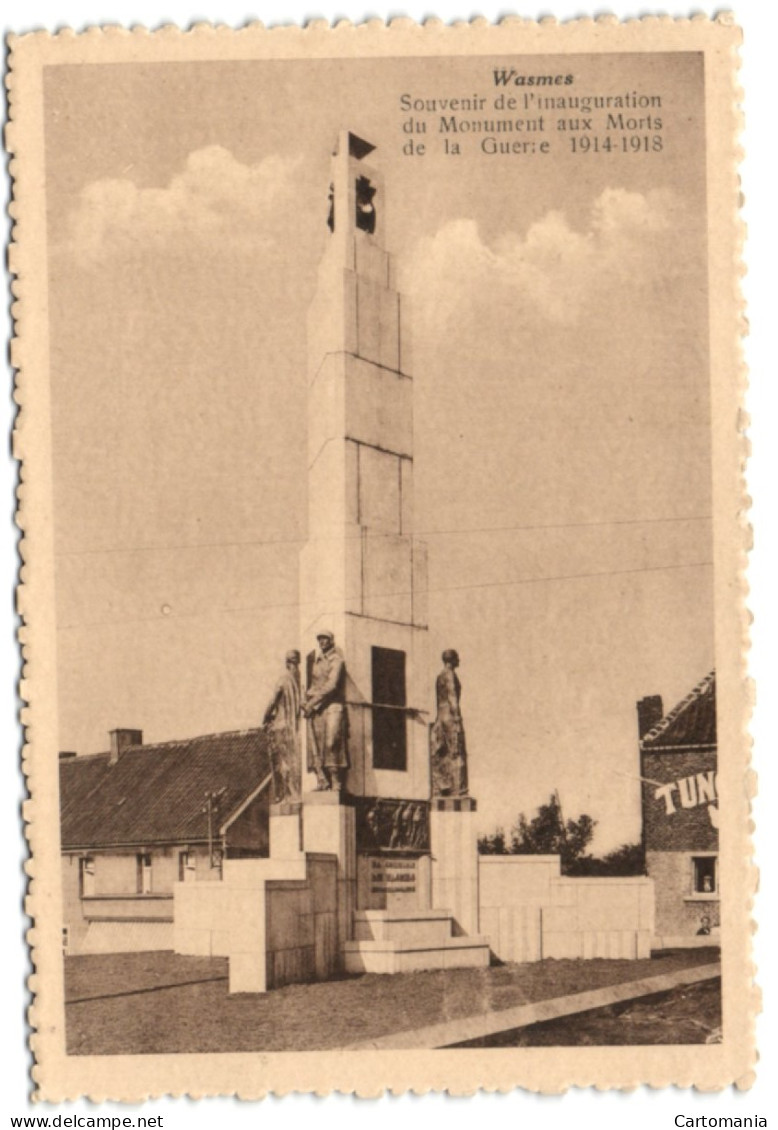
(595, 331)
(630, 240)
(214, 198)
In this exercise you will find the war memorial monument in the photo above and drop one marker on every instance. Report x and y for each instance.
(372, 863)
(379, 396)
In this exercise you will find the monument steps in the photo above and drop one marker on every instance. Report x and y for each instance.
(411, 926)
(410, 940)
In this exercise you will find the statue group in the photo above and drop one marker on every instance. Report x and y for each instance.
(323, 706)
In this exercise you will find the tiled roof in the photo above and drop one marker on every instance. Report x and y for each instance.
(690, 723)
(156, 793)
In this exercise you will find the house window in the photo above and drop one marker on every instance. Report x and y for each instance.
(186, 866)
(87, 876)
(389, 714)
(704, 875)
(65, 939)
(144, 872)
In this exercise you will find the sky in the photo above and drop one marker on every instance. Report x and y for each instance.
(562, 461)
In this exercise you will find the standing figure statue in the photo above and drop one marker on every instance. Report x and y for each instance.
(448, 756)
(282, 723)
(325, 709)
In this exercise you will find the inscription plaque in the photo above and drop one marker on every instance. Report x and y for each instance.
(392, 876)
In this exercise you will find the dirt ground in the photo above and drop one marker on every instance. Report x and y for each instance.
(159, 1002)
(690, 1014)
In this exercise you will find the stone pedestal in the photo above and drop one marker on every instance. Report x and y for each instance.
(244, 920)
(286, 831)
(394, 883)
(455, 860)
(329, 827)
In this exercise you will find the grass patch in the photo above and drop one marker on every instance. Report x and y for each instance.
(689, 1014)
(160, 1002)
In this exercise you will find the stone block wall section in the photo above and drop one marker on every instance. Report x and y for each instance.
(329, 830)
(276, 921)
(302, 929)
(454, 837)
(127, 937)
(602, 917)
(530, 912)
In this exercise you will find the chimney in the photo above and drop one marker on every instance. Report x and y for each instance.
(120, 740)
(650, 711)
(66, 754)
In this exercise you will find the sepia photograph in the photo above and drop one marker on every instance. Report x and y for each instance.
(382, 532)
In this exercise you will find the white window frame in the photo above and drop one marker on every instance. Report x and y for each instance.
(704, 896)
(144, 872)
(187, 866)
(86, 876)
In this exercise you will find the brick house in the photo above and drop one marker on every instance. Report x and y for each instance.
(680, 813)
(138, 818)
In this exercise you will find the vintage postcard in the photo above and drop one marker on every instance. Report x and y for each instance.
(383, 537)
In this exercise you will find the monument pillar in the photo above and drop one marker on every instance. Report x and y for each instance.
(363, 575)
(453, 818)
(455, 859)
(286, 831)
(328, 827)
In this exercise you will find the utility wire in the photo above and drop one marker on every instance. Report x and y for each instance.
(381, 596)
(375, 534)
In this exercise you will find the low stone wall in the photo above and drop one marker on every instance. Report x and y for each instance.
(276, 921)
(511, 891)
(302, 926)
(529, 911)
(514, 932)
(127, 936)
(599, 918)
(200, 918)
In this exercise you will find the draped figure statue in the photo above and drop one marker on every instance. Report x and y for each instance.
(282, 724)
(448, 755)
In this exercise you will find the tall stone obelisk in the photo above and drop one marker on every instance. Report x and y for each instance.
(363, 576)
